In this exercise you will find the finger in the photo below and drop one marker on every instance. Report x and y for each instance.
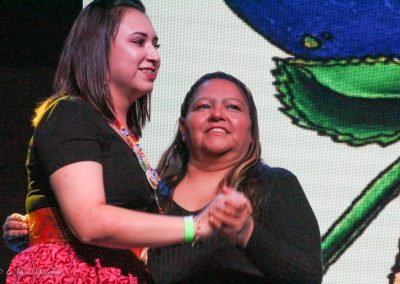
(234, 212)
(14, 225)
(226, 220)
(227, 190)
(215, 222)
(228, 211)
(238, 200)
(15, 234)
(16, 217)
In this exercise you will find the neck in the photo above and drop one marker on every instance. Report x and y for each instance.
(121, 104)
(200, 171)
(214, 163)
(199, 186)
(121, 107)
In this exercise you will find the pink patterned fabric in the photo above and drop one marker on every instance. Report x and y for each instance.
(58, 263)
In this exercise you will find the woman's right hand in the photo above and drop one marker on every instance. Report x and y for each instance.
(232, 216)
(229, 213)
(15, 232)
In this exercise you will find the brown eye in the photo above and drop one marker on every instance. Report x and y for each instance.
(234, 107)
(203, 106)
(139, 42)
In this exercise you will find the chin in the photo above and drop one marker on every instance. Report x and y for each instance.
(143, 92)
(144, 89)
(218, 151)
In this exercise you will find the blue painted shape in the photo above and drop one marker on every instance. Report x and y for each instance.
(323, 29)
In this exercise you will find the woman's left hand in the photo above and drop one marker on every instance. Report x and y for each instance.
(15, 232)
(231, 214)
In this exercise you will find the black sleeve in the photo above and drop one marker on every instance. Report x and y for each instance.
(287, 247)
(68, 133)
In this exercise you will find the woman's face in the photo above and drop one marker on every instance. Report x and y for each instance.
(218, 122)
(134, 59)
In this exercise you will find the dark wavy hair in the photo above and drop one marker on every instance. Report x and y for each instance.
(84, 62)
(173, 164)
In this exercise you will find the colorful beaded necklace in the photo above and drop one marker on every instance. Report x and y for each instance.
(151, 174)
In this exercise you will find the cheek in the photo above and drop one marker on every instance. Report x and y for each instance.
(194, 123)
(246, 134)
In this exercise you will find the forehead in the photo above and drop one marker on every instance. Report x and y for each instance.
(134, 21)
(219, 89)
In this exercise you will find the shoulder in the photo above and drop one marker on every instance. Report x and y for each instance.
(278, 181)
(265, 172)
(69, 107)
(66, 119)
(68, 112)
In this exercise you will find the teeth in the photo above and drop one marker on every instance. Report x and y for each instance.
(148, 71)
(217, 130)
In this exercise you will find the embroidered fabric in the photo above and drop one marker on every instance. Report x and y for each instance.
(58, 263)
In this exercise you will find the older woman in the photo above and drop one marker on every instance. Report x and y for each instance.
(217, 146)
(217, 149)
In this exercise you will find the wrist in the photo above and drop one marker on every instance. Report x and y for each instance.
(245, 234)
(190, 229)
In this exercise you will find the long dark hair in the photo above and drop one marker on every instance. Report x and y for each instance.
(84, 63)
(173, 164)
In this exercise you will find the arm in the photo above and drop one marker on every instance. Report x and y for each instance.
(15, 232)
(79, 190)
(15, 228)
(69, 142)
(286, 247)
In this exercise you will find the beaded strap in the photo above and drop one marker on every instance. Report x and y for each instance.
(151, 174)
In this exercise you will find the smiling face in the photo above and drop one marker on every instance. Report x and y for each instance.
(218, 122)
(133, 57)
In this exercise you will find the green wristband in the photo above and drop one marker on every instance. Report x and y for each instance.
(189, 229)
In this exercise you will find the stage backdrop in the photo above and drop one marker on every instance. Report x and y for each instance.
(325, 78)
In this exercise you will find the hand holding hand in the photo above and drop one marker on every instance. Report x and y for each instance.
(231, 214)
(203, 228)
(15, 231)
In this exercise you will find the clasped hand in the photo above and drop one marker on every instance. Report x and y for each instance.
(230, 214)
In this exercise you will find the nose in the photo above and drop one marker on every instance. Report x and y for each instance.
(153, 55)
(217, 113)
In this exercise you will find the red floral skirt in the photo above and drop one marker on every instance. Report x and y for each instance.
(65, 263)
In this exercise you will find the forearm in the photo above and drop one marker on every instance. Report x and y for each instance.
(80, 194)
(115, 227)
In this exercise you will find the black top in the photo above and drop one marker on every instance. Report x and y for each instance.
(72, 131)
(286, 248)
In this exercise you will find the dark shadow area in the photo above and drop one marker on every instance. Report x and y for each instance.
(31, 36)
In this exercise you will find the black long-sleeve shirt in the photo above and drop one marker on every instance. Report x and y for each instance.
(284, 248)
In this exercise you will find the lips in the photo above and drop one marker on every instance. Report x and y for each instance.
(217, 130)
(150, 73)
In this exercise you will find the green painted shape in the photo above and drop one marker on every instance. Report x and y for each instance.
(367, 79)
(350, 225)
(353, 119)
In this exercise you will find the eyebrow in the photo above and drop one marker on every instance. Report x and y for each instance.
(143, 34)
(224, 100)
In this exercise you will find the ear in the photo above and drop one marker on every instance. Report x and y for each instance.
(181, 127)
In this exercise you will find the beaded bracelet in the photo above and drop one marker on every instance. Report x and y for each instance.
(196, 231)
(189, 229)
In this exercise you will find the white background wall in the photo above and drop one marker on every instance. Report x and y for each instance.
(203, 36)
